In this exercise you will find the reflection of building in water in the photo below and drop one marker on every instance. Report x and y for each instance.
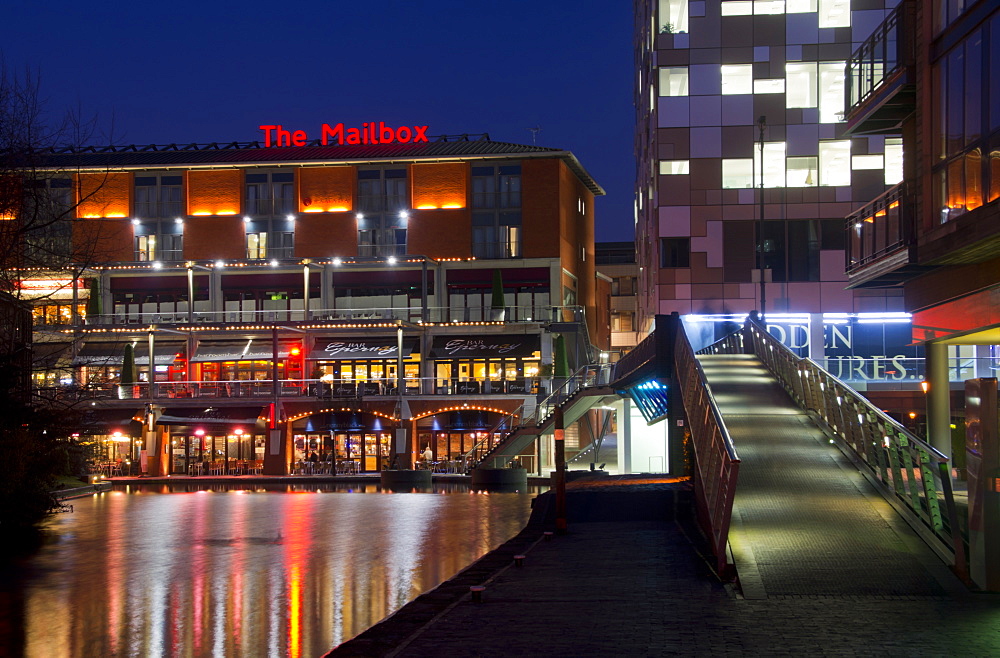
(320, 299)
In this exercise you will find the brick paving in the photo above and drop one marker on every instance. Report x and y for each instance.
(825, 567)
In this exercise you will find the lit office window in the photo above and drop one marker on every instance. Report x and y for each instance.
(800, 81)
(774, 164)
(674, 167)
(769, 86)
(737, 79)
(674, 81)
(831, 92)
(673, 16)
(800, 6)
(893, 160)
(737, 8)
(737, 173)
(762, 7)
(802, 172)
(834, 13)
(835, 163)
(867, 162)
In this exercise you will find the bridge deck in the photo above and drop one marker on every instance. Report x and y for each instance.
(805, 521)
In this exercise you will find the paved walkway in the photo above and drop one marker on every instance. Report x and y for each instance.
(825, 566)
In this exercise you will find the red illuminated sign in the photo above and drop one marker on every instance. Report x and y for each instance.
(368, 133)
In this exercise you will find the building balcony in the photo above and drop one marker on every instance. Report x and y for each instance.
(412, 314)
(881, 80)
(880, 241)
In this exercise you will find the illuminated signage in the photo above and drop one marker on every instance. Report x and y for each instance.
(368, 133)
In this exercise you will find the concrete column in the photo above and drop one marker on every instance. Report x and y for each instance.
(817, 342)
(938, 398)
(625, 437)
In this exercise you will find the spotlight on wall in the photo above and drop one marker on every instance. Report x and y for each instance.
(157, 265)
(135, 222)
(246, 219)
(219, 263)
(337, 261)
(274, 262)
(178, 220)
(403, 214)
(290, 218)
(391, 260)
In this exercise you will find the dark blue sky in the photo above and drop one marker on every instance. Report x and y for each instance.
(213, 71)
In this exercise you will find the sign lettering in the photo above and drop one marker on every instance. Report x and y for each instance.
(476, 345)
(333, 349)
(369, 133)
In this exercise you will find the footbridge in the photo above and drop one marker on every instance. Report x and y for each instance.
(796, 475)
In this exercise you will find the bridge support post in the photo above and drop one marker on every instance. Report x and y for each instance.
(938, 398)
(983, 461)
(560, 474)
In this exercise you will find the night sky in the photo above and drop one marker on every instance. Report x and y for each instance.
(159, 73)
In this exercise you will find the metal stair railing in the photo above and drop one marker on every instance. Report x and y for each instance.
(716, 461)
(593, 375)
(912, 475)
(481, 448)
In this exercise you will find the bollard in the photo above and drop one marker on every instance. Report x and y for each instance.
(547, 536)
(477, 593)
(518, 560)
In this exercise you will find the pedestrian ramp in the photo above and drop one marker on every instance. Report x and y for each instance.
(805, 520)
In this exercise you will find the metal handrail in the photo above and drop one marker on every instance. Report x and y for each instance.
(717, 462)
(911, 473)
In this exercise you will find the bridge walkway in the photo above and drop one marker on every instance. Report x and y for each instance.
(805, 521)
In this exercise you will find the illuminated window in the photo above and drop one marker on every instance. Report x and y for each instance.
(835, 163)
(831, 92)
(496, 235)
(737, 8)
(859, 162)
(737, 173)
(256, 246)
(145, 247)
(673, 16)
(763, 7)
(893, 160)
(737, 79)
(772, 86)
(674, 167)
(496, 224)
(834, 13)
(800, 81)
(674, 81)
(802, 172)
(774, 164)
(800, 6)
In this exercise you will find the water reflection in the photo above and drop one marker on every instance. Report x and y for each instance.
(295, 572)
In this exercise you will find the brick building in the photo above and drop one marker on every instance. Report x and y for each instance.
(281, 301)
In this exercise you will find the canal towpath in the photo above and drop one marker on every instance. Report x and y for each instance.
(630, 578)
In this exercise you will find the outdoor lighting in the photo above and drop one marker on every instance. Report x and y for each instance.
(178, 220)
(199, 432)
(274, 262)
(337, 261)
(391, 260)
(403, 214)
(238, 431)
(135, 222)
(360, 216)
(925, 386)
(246, 219)
(157, 265)
(219, 263)
(290, 218)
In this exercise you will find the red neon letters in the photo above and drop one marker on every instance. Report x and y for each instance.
(369, 133)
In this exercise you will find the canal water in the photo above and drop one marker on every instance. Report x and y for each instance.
(240, 572)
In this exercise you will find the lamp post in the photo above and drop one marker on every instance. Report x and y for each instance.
(761, 124)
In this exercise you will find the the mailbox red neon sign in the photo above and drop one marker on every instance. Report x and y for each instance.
(368, 133)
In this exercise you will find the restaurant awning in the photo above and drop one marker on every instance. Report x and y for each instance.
(489, 346)
(128, 421)
(244, 350)
(212, 416)
(111, 354)
(361, 348)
